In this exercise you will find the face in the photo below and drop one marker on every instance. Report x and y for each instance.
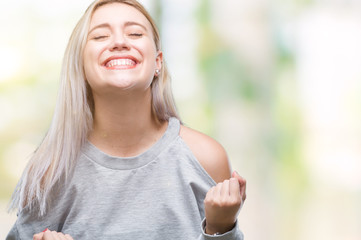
(120, 52)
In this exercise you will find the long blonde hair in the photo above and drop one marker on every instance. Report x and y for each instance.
(55, 157)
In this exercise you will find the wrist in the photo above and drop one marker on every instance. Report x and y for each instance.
(218, 229)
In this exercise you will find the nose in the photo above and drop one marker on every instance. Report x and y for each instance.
(119, 42)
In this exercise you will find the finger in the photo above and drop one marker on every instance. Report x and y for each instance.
(56, 235)
(235, 174)
(47, 235)
(234, 187)
(242, 184)
(210, 193)
(243, 190)
(68, 237)
(209, 196)
(38, 236)
(51, 235)
(59, 236)
(62, 236)
(217, 190)
(225, 189)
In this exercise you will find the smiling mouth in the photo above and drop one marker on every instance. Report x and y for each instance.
(123, 63)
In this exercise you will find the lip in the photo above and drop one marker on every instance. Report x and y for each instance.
(104, 63)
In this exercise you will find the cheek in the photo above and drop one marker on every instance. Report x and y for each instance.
(87, 68)
(89, 59)
(151, 54)
(146, 48)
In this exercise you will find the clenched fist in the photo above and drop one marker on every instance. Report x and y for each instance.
(51, 235)
(222, 204)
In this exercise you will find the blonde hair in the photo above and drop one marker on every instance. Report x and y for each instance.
(55, 157)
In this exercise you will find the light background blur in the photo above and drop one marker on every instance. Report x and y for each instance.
(277, 82)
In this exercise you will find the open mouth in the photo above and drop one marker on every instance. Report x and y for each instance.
(120, 63)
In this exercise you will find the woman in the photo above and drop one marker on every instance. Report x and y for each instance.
(116, 162)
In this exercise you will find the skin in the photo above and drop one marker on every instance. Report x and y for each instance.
(223, 201)
(122, 98)
(52, 235)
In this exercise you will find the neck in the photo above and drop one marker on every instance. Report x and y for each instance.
(124, 125)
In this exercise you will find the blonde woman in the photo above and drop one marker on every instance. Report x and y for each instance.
(116, 162)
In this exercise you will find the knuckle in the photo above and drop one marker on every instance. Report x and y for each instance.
(209, 201)
(225, 202)
(215, 202)
(68, 236)
(222, 203)
(233, 201)
(218, 203)
(236, 201)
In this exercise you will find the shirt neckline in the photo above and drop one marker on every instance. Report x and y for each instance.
(127, 163)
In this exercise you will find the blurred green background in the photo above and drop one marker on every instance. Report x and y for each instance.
(277, 82)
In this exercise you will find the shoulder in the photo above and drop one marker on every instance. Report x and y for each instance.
(210, 154)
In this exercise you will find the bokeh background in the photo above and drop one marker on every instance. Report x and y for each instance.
(277, 82)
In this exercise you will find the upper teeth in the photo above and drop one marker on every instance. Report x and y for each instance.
(120, 62)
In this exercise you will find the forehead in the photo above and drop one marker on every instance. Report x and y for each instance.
(118, 13)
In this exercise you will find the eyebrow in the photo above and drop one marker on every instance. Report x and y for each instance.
(129, 23)
(103, 25)
(126, 24)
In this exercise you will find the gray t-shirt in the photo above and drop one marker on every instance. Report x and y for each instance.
(156, 195)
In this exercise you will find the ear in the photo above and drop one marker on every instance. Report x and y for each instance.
(159, 60)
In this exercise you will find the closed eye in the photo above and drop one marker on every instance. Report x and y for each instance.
(99, 37)
(135, 34)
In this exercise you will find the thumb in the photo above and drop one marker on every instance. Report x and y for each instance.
(237, 176)
(38, 236)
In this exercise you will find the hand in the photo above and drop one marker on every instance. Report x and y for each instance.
(223, 203)
(52, 235)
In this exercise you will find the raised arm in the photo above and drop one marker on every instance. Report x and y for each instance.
(223, 201)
